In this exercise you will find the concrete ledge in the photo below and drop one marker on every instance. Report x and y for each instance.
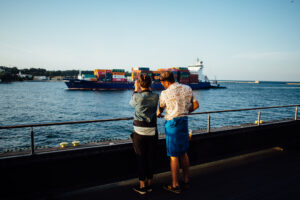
(268, 174)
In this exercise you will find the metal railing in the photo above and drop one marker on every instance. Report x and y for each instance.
(31, 126)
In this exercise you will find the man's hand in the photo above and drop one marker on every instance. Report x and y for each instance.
(194, 106)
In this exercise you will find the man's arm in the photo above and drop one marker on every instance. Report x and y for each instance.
(160, 110)
(161, 105)
(194, 106)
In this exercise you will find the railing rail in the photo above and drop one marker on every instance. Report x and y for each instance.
(64, 123)
(131, 118)
(244, 109)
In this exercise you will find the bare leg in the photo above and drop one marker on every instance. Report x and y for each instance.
(185, 163)
(174, 164)
(142, 184)
(149, 181)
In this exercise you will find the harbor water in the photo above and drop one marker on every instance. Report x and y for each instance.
(50, 102)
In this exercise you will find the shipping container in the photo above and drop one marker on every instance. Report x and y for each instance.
(184, 81)
(98, 73)
(118, 76)
(141, 71)
(163, 70)
(182, 68)
(119, 80)
(94, 79)
(118, 73)
(173, 69)
(89, 76)
(156, 72)
(144, 68)
(99, 70)
(194, 78)
(118, 70)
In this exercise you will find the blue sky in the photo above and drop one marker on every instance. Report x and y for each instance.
(236, 39)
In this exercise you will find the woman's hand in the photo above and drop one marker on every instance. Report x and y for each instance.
(137, 87)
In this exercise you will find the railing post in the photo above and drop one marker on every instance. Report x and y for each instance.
(258, 120)
(296, 113)
(208, 124)
(32, 141)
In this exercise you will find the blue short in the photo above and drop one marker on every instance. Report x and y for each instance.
(177, 136)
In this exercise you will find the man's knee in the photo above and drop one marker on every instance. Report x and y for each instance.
(173, 158)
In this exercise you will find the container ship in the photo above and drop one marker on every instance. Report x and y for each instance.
(115, 79)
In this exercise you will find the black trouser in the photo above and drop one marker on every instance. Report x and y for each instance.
(145, 149)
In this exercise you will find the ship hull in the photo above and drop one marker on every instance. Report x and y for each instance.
(91, 85)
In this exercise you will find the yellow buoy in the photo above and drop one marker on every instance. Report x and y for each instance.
(75, 143)
(63, 144)
(260, 122)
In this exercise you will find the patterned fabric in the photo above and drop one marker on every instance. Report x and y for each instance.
(177, 100)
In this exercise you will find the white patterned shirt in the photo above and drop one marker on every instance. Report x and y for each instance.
(177, 100)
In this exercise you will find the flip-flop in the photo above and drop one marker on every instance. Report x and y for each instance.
(170, 188)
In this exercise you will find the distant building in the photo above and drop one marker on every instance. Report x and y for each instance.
(41, 78)
(25, 76)
(57, 78)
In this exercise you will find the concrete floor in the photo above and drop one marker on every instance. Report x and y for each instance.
(271, 174)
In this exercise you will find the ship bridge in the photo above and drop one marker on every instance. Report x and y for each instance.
(198, 69)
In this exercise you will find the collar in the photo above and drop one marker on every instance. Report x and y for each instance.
(173, 85)
(145, 91)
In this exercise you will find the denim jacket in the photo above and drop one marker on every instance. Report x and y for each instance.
(145, 104)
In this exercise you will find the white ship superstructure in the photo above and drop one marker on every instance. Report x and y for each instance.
(198, 69)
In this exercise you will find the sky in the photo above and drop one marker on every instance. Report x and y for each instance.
(235, 39)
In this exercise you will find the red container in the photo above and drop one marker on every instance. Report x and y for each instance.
(193, 75)
(119, 80)
(100, 73)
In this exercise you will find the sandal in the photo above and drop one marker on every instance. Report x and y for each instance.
(170, 188)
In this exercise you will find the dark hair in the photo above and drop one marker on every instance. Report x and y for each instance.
(144, 80)
(167, 76)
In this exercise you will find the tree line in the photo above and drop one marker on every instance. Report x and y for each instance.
(11, 73)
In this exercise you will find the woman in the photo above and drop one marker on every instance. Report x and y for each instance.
(144, 136)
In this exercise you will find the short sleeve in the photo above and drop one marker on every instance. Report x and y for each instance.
(189, 93)
(162, 100)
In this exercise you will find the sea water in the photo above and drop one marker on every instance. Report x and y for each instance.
(50, 102)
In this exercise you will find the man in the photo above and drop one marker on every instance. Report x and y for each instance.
(178, 101)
